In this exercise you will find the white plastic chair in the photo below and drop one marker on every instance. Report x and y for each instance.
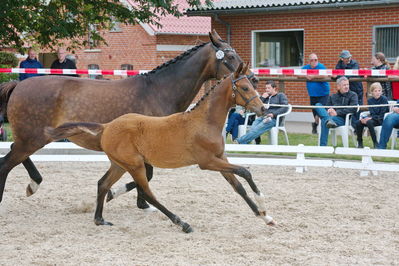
(377, 129)
(343, 131)
(273, 132)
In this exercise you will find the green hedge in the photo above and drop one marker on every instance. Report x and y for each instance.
(8, 60)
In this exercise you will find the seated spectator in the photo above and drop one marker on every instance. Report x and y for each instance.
(395, 84)
(265, 123)
(376, 115)
(30, 62)
(236, 118)
(391, 121)
(333, 118)
(379, 62)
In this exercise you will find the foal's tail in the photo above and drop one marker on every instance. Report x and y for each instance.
(6, 89)
(71, 129)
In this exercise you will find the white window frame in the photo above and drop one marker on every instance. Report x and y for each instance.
(374, 49)
(253, 43)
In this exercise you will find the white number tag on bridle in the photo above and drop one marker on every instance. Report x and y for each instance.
(219, 54)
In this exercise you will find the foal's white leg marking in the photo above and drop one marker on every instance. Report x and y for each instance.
(33, 187)
(119, 191)
(260, 199)
(150, 208)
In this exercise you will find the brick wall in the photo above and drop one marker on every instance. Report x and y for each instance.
(325, 33)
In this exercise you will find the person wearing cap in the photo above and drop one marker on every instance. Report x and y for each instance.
(30, 62)
(346, 62)
(318, 91)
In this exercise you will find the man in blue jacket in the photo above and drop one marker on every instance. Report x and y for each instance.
(30, 62)
(318, 90)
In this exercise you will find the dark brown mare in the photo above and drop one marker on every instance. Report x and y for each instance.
(52, 100)
(173, 141)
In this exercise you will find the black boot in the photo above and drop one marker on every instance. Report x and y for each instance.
(314, 128)
(360, 144)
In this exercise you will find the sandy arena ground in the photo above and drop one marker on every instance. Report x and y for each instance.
(325, 216)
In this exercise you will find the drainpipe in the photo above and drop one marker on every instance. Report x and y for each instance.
(228, 26)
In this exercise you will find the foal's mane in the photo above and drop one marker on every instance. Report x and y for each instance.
(184, 55)
(212, 89)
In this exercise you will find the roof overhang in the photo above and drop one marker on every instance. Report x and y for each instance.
(291, 8)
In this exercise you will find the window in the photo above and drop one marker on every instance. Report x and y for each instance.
(115, 26)
(386, 40)
(93, 66)
(127, 67)
(91, 39)
(277, 48)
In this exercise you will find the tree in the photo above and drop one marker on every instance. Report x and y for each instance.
(46, 23)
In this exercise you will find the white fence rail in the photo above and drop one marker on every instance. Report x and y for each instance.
(74, 153)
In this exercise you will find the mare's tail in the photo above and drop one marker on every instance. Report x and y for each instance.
(5, 92)
(71, 129)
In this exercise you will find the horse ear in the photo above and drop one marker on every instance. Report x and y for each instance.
(215, 38)
(239, 70)
(245, 68)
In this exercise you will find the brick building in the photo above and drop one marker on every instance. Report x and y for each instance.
(282, 33)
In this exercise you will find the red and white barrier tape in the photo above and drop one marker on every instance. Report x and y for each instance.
(258, 71)
(72, 71)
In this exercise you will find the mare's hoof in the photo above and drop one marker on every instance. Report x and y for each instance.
(187, 228)
(272, 223)
(110, 196)
(102, 222)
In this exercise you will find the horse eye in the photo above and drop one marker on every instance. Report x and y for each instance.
(244, 88)
(231, 57)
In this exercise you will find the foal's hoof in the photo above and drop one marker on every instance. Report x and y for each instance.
(110, 196)
(187, 228)
(29, 191)
(102, 222)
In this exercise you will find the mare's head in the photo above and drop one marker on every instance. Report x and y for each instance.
(244, 93)
(227, 60)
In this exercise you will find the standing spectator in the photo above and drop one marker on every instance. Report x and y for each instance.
(391, 121)
(333, 118)
(63, 62)
(30, 62)
(265, 123)
(318, 91)
(346, 62)
(379, 62)
(395, 84)
(376, 115)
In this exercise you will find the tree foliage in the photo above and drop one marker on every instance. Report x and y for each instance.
(47, 23)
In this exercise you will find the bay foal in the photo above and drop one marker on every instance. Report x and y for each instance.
(132, 140)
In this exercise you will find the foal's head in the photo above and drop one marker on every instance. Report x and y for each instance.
(244, 93)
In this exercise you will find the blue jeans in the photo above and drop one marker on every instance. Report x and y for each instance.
(258, 128)
(233, 122)
(390, 122)
(325, 117)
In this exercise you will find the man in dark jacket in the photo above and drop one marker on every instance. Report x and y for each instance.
(332, 118)
(30, 62)
(265, 123)
(346, 62)
(62, 62)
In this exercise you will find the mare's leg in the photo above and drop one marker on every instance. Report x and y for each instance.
(35, 176)
(113, 174)
(18, 153)
(141, 203)
(228, 170)
(137, 170)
